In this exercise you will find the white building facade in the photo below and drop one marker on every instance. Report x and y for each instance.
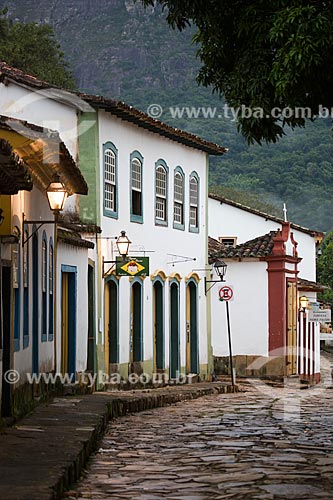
(255, 322)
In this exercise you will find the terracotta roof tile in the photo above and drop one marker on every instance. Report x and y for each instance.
(254, 211)
(14, 174)
(117, 108)
(258, 247)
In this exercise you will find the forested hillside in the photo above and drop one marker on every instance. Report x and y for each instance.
(118, 49)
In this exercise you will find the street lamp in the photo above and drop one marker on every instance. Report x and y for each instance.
(304, 303)
(123, 244)
(56, 196)
(220, 268)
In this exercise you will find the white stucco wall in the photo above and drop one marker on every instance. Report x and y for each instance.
(248, 311)
(38, 108)
(227, 220)
(160, 243)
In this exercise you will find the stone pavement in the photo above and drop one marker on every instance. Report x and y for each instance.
(269, 443)
(44, 453)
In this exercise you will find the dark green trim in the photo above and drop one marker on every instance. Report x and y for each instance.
(113, 327)
(158, 287)
(137, 333)
(91, 166)
(174, 330)
(194, 338)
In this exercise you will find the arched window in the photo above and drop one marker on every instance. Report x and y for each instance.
(178, 199)
(161, 192)
(51, 290)
(136, 187)
(194, 202)
(110, 180)
(44, 288)
(26, 309)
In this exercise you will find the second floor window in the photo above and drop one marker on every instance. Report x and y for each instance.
(161, 195)
(178, 204)
(136, 190)
(194, 203)
(110, 180)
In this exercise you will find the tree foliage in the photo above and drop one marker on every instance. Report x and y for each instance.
(34, 49)
(262, 54)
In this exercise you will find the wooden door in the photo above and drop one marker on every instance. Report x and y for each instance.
(291, 329)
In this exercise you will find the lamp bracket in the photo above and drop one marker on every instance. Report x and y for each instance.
(214, 283)
(113, 262)
(40, 224)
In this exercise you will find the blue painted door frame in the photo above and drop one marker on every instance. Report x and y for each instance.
(71, 271)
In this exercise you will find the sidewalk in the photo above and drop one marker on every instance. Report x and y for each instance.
(44, 454)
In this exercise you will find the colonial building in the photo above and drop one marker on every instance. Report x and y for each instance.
(35, 260)
(146, 179)
(271, 333)
(149, 180)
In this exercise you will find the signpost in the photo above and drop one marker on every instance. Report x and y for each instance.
(133, 266)
(321, 315)
(226, 294)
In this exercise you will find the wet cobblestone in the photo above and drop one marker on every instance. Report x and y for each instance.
(269, 443)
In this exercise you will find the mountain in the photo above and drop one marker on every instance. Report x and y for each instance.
(118, 49)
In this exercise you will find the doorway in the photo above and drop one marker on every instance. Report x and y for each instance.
(192, 364)
(158, 313)
(291, 328)
(136, 337)
(111, 325)
(174, 330)
(68, 319)
(91, 321)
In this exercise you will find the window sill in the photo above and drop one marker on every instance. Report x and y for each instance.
(180, 227)
(163, 223)
(136, 218)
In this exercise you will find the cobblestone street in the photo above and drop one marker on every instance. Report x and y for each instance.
(265, 443)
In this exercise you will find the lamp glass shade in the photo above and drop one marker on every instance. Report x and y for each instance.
(303, 302)
(56, 195)
(220, 268)
(123, 244)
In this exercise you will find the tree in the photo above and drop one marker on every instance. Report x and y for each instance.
(325, 266)
(263, 54)
(34, 49)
